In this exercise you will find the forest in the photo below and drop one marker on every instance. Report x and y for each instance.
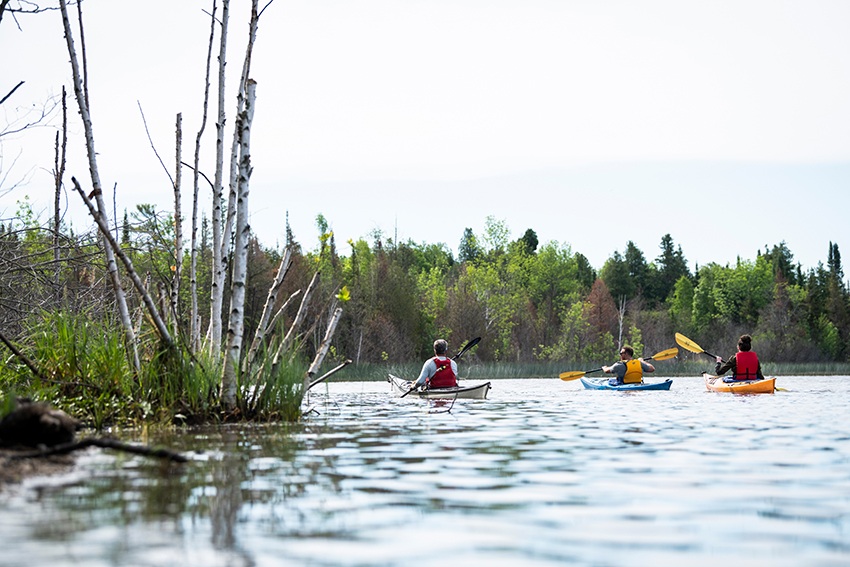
(529, 301)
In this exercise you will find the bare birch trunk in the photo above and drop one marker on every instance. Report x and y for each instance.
(217, 291)
(299, 317)
(195, 319)
(178, 229)
(621, 315)
(280, 311)
(323, 348)
(240, 256)
(231, 212)
(97, 191)
(271, 299)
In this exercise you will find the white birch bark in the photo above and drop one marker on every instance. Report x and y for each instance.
(230, 213)
(621, 315)
(178, 227)
(280, 311)
(271, 299)
(240, 256)
(323, 348)
(97, 191)
(217, 291)
(299, 317)
(329, 373)
(195, 319)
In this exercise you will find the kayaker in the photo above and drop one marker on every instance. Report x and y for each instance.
(440, 371)
(628, 370)
(744, 364)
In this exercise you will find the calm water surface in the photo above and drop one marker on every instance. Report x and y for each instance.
(541, 473)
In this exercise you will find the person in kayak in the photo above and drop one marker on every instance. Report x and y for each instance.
(628, 370)
(440, 371)
(744, 364)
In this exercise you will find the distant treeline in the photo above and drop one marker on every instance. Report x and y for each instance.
(529, 301)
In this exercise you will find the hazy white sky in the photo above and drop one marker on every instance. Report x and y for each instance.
(592, 122)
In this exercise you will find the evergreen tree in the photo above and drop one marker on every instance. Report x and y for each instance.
(469, 249)
(529, 241)
(671, 265)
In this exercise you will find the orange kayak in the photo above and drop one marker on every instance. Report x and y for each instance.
(716, 384)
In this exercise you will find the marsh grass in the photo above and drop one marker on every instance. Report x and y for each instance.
(85, 371)
(276, 392)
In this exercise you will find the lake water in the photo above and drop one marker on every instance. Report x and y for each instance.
(543, 472)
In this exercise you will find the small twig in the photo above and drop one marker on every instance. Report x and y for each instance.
(11, 92)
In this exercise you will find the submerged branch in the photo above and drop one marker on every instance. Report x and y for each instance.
(105, 443)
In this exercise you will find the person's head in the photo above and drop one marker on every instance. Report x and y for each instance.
(627, 352)
(441, 347)
(745, 343)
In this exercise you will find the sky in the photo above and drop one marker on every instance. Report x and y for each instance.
(725, 124)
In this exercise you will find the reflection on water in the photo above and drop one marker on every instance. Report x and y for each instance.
(542, 473)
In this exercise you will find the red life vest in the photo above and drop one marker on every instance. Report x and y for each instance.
(746, 365)
(445, 376)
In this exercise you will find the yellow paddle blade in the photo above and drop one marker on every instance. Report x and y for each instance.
(567, 376)
(688, 344)
(666, 354)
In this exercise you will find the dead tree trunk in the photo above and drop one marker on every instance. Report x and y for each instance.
(178, 229)
(266, 317)
(97, 192)
(195, 319)
(240, 257)
(218, 246)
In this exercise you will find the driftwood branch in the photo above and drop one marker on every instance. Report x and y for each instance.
(105, 443)
(299, 317)
(323, 348)
(263, 326)
(283, 307)
(329, 373)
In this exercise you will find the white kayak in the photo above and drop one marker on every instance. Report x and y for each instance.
(401, 387)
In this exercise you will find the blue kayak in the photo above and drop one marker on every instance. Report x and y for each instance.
(602, 384)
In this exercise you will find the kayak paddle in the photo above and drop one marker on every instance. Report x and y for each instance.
(463, 351)
(663, 355)
(690, 345)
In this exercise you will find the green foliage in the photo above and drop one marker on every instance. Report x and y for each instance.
(615, 274)
(634, 339)
(681, 304)
(827, 336)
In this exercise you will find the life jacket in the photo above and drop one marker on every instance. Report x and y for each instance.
(634, 372)
(445, 376)
(746, 365)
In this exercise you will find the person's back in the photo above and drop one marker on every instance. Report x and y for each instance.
(628, 370)
(439, 371)
(744, 364)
